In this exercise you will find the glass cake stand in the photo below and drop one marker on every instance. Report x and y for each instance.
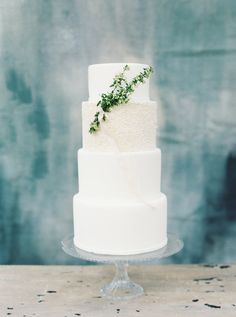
(121, 287)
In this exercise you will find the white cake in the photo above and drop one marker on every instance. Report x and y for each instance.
(119, 208)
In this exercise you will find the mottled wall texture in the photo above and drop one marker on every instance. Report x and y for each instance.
(45, 49)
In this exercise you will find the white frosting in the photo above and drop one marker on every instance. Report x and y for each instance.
(119, 177)
(120, 228)
(100, 77)
(129, 127)
(120, 209)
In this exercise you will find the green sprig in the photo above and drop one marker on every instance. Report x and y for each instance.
(120, 93)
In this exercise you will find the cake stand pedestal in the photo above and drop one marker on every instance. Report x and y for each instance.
(121, 287)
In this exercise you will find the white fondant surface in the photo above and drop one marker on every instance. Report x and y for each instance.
(120, 209)
(100, 77)
(119, 176)
(120, 228)
(129, 127)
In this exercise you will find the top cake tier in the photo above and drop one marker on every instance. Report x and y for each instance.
(100, 77)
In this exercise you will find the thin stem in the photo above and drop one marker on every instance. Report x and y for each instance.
(121, 272)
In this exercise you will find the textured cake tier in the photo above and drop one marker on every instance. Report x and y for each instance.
(129, 127)
(119, 176)
(100, 77)
(118, 228)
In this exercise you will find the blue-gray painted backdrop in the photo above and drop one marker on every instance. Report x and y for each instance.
(45, 49)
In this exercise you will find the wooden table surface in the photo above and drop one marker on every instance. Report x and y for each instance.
(66, 291)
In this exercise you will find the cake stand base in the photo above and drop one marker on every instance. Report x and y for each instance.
(121, 287)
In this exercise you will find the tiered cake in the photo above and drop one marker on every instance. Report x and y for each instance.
(119, 208)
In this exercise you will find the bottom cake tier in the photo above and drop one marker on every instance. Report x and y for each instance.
(120, 229)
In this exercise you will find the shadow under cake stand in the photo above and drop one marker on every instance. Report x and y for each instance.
(121, 287)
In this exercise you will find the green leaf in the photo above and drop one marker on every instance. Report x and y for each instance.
(122, 89)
